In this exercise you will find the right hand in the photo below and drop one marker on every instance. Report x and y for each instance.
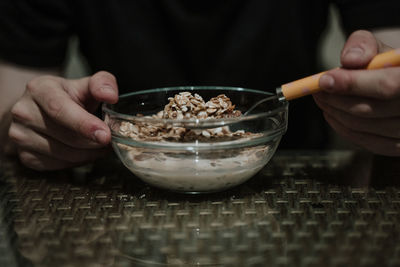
(52, 123)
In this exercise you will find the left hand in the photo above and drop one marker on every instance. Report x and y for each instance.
(363, 106)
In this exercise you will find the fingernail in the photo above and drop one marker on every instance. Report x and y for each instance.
(327, 82)
(107, 89)
(100, 136)
(354, 52)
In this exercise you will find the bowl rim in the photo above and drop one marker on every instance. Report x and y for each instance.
(193, 122)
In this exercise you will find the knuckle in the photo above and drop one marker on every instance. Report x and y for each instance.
(20, 113)
(39, 83)
(55, 107)
(15, 135)
(33, 85)
(362, 110)
(30, 160)
(389, 88)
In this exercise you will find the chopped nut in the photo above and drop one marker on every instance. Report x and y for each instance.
(179, 115)
(185, 108)
(202, 115)
(211, 110)
(205, 133)
(160, 114)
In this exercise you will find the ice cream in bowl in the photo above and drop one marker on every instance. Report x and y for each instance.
(195, 139)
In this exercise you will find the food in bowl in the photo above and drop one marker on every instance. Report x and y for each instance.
(191, 145)
(186, 106)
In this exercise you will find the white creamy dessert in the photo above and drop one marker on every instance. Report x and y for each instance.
(195, 173)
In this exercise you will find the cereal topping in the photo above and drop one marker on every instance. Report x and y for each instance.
(186, 106)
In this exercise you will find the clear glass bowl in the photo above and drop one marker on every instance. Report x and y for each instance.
(201, 165)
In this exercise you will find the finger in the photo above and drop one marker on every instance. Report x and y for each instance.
(359, 106)
(359, 49)
(27, 139)
(371, 142)
(388, 127)
(27, 112)
(378, 84)
(41, 162)
(58, 105)
(91, 91)
(103, 87)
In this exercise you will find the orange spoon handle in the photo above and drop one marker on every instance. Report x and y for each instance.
(385, 60)
(310, 85)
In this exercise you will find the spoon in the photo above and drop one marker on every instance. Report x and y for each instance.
(310, 84)
(305, 86)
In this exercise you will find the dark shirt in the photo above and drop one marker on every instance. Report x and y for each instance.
(257, 44)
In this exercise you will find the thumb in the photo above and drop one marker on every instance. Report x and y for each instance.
(103, 87)
(89, 92)
(359, 49)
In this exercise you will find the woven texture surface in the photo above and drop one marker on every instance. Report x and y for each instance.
(304, 209)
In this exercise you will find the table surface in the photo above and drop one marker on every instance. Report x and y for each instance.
(305, 208)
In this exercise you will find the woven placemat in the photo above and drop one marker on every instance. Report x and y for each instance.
(304, 209)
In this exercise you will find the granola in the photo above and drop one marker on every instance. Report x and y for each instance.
(186, 106)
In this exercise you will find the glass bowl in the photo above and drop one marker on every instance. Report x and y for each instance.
(200, 164)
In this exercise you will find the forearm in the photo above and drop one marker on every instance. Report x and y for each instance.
(13, 80)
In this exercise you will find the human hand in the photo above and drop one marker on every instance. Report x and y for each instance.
(363, 106)
(53, 126)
